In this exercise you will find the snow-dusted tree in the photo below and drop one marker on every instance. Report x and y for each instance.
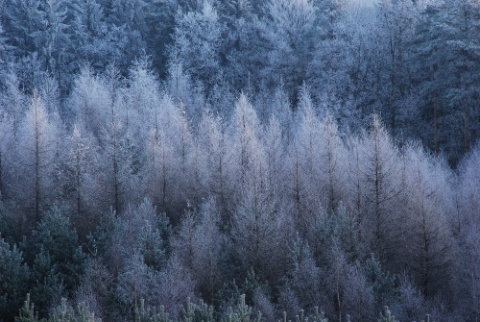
(411, 303)
(182, 90)
(127, 27)
(318, 167)
(113, 161)
(396, 21)
(175, 285)
(375, 185)
(213, 140)
(428, 237)
(37, 154)
(120, 157)
(196, 46)
(246, 156)
(142, 98)
(95, 287)
(7, 142)
(52, 38)
(91, 103)
(289, 31)
(14, 100)
(348, 287)
(168, 150)
(208, 241)
(20, 18)
(136, 283)
(444, 52)
(261, 232)
(305, 166)
(90, 34)
(275, 156)
(199, 244)
(81, 184)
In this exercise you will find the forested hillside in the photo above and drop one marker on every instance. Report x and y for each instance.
(228, 160)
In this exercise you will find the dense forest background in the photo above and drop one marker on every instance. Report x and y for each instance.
(217, 160)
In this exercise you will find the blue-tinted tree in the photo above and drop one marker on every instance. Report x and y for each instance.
(14, 278)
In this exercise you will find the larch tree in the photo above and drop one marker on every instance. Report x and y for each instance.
(6, 148)
(304, 164)
(377, 185)
(37, 150)
(81, 166)
(261, 231)
(167, 155)
(246, 155)
(90, 102)
(428, 236)
(275, 155)
(214, 173)
(208, 241)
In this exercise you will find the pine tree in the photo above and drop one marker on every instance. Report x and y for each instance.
(14, 278)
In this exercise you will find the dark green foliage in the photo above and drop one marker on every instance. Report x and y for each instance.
(27, 312)
(99, 240)
(47, 285)
(14, 277)
(231, 291)
(55, 240)
(56, 258)
(11, 227)
(383, 283)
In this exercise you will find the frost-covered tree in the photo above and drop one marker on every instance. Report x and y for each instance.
(6, 151)
(375, 186)
(20, 18)
(290, 33)
(80, 174)
(443, 56)
(427, 224)
(168, 151)
(214, 173)
(196, 46)
(37, 153)
(90, 34)
(246, 155)
(52, 38)
(139, 233)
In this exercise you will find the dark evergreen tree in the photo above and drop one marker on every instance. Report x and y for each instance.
(14, 278)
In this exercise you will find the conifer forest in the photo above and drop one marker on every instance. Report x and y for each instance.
(239, 160)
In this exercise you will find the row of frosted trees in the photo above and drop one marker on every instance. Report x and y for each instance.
(134, 204)
(412, 62)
